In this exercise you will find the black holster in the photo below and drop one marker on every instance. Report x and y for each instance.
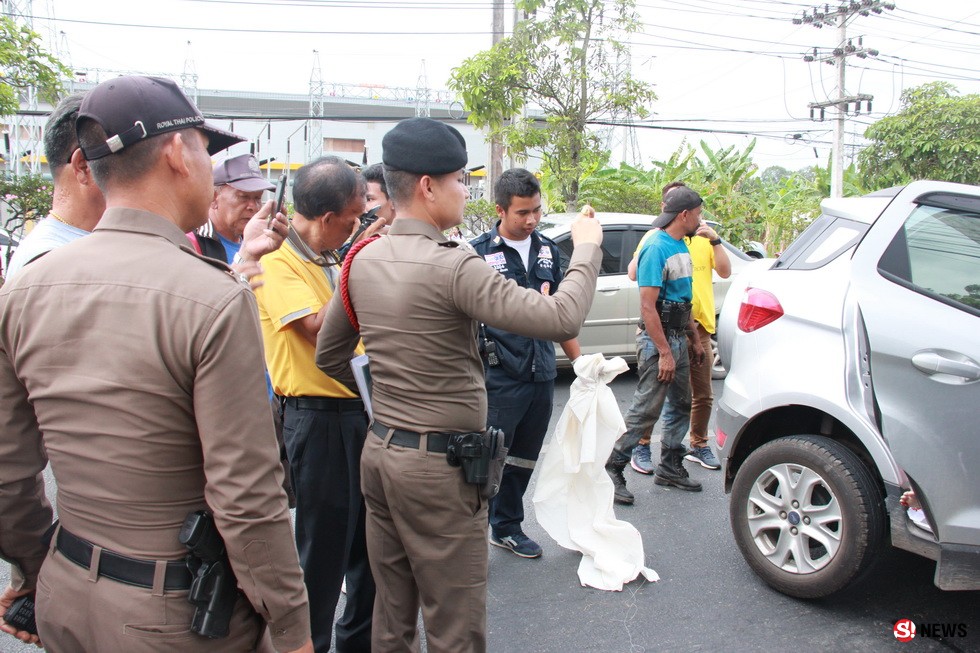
(674, 315)
(481, 455)
(214, 589)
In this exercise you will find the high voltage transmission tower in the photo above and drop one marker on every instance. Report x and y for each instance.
(837, 56)
(188, 78)
(623, 131)
(314, 143)
(26, 137)
(422, 94)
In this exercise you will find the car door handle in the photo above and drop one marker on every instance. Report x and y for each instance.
(932, 362)
(608, 291)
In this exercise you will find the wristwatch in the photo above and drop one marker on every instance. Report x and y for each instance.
(716, 241)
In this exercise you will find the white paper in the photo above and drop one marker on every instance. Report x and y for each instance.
(362, 374)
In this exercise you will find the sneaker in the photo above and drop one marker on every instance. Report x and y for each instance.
(621, 494)
(519, 543)
(704, 457)
(640, 461)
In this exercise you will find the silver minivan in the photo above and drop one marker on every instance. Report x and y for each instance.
(854, 377)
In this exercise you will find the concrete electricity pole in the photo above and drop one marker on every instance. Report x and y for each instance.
(496, 166)
(837, 57)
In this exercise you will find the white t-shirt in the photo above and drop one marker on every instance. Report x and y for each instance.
(523, 248)
(47, 235)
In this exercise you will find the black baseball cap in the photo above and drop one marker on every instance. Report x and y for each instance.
(424, 146)
(677, 200)
(135, 107)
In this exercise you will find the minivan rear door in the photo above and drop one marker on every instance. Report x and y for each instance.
(916, 275)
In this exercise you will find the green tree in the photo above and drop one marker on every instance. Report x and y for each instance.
(478, 216)
(23, 198)
(564, 63)
(25, 63)
(772, 207)
(936, 135)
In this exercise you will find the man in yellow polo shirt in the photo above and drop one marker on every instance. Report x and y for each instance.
(324, 422)
(707, 254)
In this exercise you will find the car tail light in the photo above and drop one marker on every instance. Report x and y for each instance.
(759, 308)
(720, 437)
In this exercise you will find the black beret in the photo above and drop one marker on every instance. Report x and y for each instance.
(424, 146)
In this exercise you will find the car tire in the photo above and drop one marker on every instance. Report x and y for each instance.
(718, 371)
(839, 518)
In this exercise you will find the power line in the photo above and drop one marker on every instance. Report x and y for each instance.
(261, 31)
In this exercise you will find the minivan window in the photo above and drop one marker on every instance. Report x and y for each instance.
(612, 251)
(937, 253)
(822, 242)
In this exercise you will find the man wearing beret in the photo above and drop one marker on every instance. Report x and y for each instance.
(418, 298)
(114, 366)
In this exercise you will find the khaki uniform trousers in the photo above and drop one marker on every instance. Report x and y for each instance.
(701, 396)
(78, 612)
(427, 544)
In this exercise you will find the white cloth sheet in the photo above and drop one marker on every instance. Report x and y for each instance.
(573, 499)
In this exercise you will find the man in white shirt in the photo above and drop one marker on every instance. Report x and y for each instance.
(78, 203)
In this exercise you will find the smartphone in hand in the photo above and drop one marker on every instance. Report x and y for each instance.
(279, 202)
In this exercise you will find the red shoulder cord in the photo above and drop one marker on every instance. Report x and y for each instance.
(344, 274)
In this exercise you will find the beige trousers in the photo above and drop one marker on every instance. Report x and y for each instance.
(427, 544)
(76, 614)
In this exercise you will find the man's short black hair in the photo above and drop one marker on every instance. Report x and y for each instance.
(127, 165)
(60, 141)
(401, 185)
(516, 182)
(325, 185)
(376, 174)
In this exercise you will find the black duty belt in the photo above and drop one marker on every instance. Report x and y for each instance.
(436, 442)
(332, 404)
(120, 568)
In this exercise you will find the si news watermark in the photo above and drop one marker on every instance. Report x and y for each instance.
(905, 630)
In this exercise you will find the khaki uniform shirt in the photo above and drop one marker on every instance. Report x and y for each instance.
(419, 299)
(135, 366)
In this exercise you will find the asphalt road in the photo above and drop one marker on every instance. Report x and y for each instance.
(707, 599)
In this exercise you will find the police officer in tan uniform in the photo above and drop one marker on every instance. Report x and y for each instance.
(418, 298)
(115, 360)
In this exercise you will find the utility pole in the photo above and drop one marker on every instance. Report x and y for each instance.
(496, 167)
(837, 57)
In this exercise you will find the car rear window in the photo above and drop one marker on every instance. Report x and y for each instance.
(823, 241)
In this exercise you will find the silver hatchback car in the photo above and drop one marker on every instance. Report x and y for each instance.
(854, 376)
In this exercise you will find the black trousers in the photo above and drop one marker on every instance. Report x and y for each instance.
(523, 411)
(324, 450)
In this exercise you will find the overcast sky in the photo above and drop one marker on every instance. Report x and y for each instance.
(718, 65)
